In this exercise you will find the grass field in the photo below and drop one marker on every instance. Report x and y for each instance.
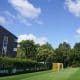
(66, 74)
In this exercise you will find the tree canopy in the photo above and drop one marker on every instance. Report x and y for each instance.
(46, 53)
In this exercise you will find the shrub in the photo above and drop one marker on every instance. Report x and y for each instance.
(21, 65)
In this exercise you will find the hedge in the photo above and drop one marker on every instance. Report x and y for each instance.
(18, 65)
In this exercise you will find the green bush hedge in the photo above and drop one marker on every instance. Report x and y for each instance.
(22, 65)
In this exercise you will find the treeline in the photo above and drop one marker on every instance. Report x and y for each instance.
(33, 57)
(46, 53)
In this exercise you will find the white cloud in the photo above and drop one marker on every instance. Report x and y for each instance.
(26, 13)
(8, 14)
(11, 18)
(2, 20)
(37, 40)
(25, 8)
(73, 6)
(24, 20)
(78, 31)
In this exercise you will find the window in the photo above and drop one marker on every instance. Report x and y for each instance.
(5, 42)
(14, 49)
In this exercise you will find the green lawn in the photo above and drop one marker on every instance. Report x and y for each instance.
(66, 74)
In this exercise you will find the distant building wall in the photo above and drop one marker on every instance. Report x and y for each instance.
(11, 43)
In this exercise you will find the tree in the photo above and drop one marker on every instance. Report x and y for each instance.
(76, 55)
(62, 54)
(44, 53)
(77, 46)
(29, 48)
(20, 53)
(64, 45)
(77, 50)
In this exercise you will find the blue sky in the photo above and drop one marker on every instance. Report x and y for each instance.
(54, 21)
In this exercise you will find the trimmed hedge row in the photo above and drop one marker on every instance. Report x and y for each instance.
(16, 65)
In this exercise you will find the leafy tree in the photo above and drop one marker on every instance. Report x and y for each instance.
(64, 45)
(44, 53)
(20, 53)
(29, 48)
(77, 46)
(76, 55)
(62, 54)
(77, 50)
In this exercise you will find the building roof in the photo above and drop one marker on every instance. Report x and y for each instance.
(1, 27)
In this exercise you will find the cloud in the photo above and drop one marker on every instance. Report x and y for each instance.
(2, 20)
(77, 35)
(8, 14)
(10, 17)
(37, 40)
(25, 13)
(25, 8)
(73, 6)
(78, 31)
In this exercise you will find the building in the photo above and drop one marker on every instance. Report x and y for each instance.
(8, 43)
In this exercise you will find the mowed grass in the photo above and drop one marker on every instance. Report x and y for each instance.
(66, 74)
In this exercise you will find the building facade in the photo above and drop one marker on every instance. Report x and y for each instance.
(8, 43)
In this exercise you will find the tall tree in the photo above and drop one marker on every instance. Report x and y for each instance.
(29, 48)
(44, 53)
(20, 53)
(76, 55)
(62, 53)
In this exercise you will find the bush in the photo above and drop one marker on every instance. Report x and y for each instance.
(18, 65)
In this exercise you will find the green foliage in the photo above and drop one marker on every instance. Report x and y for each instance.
(28, 48)
(35, 57)
(12, 62)
(75, 57)
(22, 65)
(62, 54)
(44, 53)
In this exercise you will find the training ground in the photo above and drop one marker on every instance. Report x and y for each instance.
(66, 74)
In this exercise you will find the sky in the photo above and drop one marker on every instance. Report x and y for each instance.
(53, 21)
